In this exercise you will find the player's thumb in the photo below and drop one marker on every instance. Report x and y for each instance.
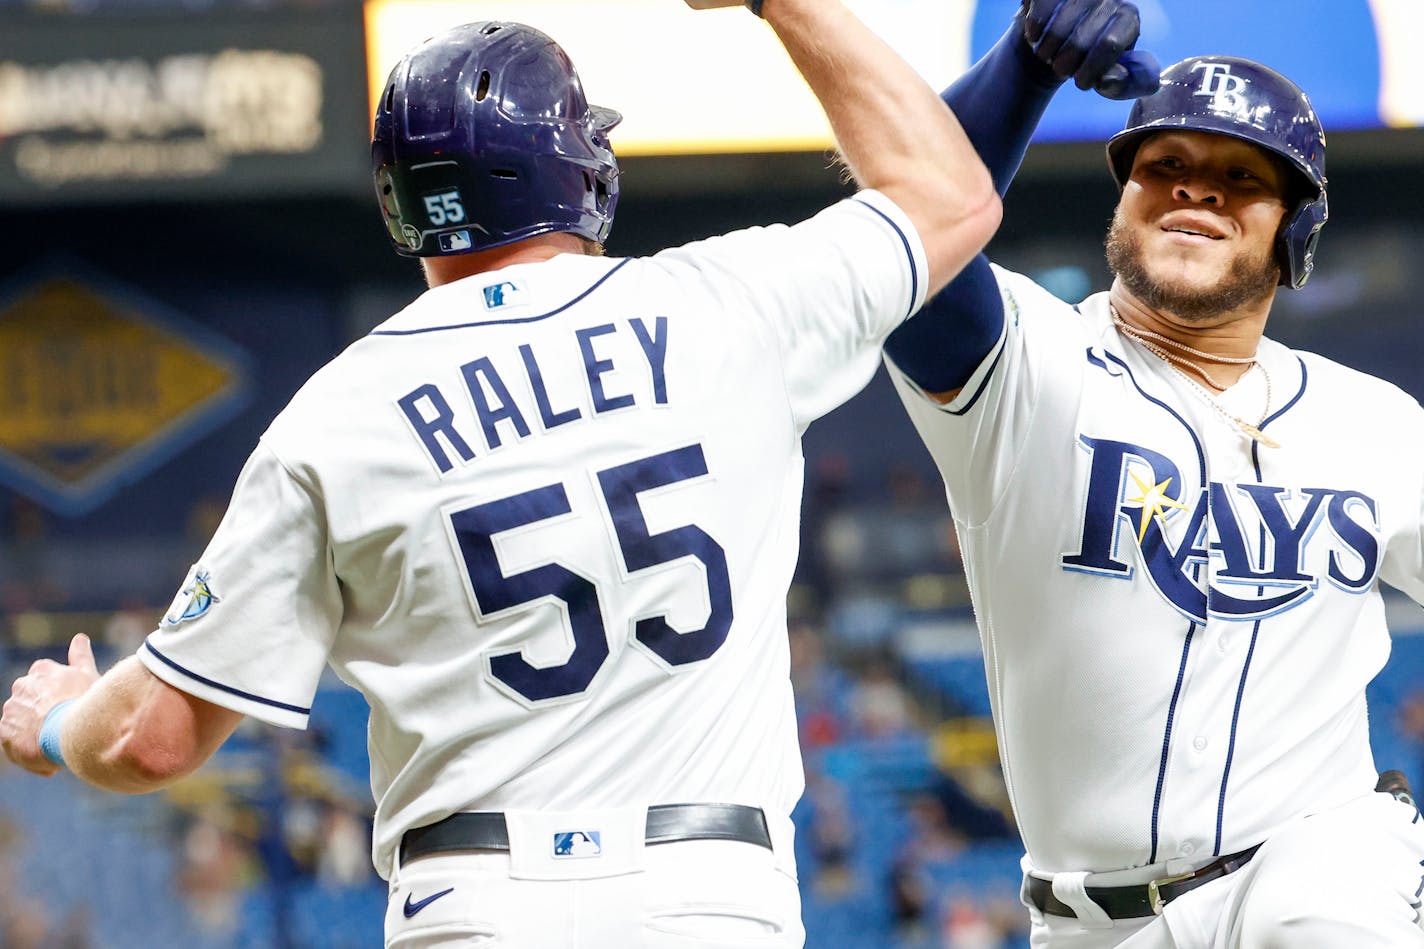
(1136, 74)
(81, 654)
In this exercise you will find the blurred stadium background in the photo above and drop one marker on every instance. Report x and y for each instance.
(189, 231)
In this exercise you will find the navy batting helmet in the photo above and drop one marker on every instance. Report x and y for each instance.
(483, 137)
(1246, 100)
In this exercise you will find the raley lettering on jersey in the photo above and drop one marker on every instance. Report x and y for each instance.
(1135, 492)
(499, 414)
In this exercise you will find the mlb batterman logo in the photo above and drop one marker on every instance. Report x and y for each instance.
(572, 844)
(195, 599)
(503, 294)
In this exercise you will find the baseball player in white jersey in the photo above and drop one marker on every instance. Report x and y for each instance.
(1175, 530)
(545, 518)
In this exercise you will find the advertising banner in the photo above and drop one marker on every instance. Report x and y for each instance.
(181, 106)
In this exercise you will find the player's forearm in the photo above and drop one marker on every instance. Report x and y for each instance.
(1000, 101)
(128, 734)
(894, 133)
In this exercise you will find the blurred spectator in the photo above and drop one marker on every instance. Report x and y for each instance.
(1409, 720)
(821, 690)
(830, 835)
(216, 867)
(967, 812)
(25, 922)
(346, 853)
(828, 486)
(127, 627)
(27, 586)
(930, 839)
(968, 926)
(880, 706)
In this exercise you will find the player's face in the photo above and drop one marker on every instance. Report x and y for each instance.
(1194, 234)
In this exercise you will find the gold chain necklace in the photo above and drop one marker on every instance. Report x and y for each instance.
(1174, 362)
(1151, 341)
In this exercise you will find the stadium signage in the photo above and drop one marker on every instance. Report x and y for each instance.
(101, 384)
(178, 110)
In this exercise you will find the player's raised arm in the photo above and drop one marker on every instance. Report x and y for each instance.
(999, 103)
(894, 133)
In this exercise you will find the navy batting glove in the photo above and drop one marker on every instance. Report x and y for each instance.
(1086, 41)
(1136, 74)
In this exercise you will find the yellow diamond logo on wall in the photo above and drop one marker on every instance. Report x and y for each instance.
(99, 385)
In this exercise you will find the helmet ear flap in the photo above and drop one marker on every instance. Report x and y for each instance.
(1296, 245)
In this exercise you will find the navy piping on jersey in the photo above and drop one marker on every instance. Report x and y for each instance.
(1256, 446)
(523, 319)
(1231, 745)
(1167, 737)
(226, 688)
(1256, 629)
(914, 271)
(983, 383)
(1187, 646)
(1201, 453)
(1417, 903)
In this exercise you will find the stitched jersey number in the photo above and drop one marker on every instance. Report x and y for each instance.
(494, 590)
(444, 208)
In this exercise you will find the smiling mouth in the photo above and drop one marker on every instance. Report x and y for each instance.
(1191, 232)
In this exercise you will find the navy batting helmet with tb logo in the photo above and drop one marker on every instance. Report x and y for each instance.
(483, 137)
(1243, 99)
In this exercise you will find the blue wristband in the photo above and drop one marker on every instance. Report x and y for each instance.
(49, 731)
(754, 6)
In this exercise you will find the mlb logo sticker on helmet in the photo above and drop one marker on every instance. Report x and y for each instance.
(455, 242)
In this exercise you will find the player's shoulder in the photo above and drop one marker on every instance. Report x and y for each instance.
(1369, 401)
(1352, 389)
(1026, 299)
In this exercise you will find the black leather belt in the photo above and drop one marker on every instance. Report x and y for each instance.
(1144, 899)
(667, 823)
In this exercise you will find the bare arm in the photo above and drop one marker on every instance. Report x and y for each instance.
(128, 731)
(894, 132)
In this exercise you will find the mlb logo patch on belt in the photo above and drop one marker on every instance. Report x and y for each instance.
(574, 844)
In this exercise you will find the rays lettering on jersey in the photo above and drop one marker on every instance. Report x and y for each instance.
(1256, 564)
(490, 388)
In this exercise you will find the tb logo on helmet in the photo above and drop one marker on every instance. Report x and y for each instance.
(1224, 89)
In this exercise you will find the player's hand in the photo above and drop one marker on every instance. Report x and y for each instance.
(1091, 42)
(32, 696)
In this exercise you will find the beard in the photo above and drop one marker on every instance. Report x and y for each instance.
(1251, 279)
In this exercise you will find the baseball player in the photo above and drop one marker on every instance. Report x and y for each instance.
(1175, 528)
(545, 518)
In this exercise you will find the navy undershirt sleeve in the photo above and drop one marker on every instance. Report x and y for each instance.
(999, 102)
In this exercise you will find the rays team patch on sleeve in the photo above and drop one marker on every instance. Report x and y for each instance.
(195, 599)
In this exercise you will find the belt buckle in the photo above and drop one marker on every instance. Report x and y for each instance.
(1154, 894)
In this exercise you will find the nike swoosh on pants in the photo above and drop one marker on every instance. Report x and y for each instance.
(412, 908)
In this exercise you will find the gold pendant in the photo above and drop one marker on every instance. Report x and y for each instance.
(1257, 435)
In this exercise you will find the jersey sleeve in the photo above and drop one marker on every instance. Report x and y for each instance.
(978, 440)
(252, 625)
(827, 291)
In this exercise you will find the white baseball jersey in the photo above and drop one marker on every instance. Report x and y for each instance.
(545, 519)
(1178, 622)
